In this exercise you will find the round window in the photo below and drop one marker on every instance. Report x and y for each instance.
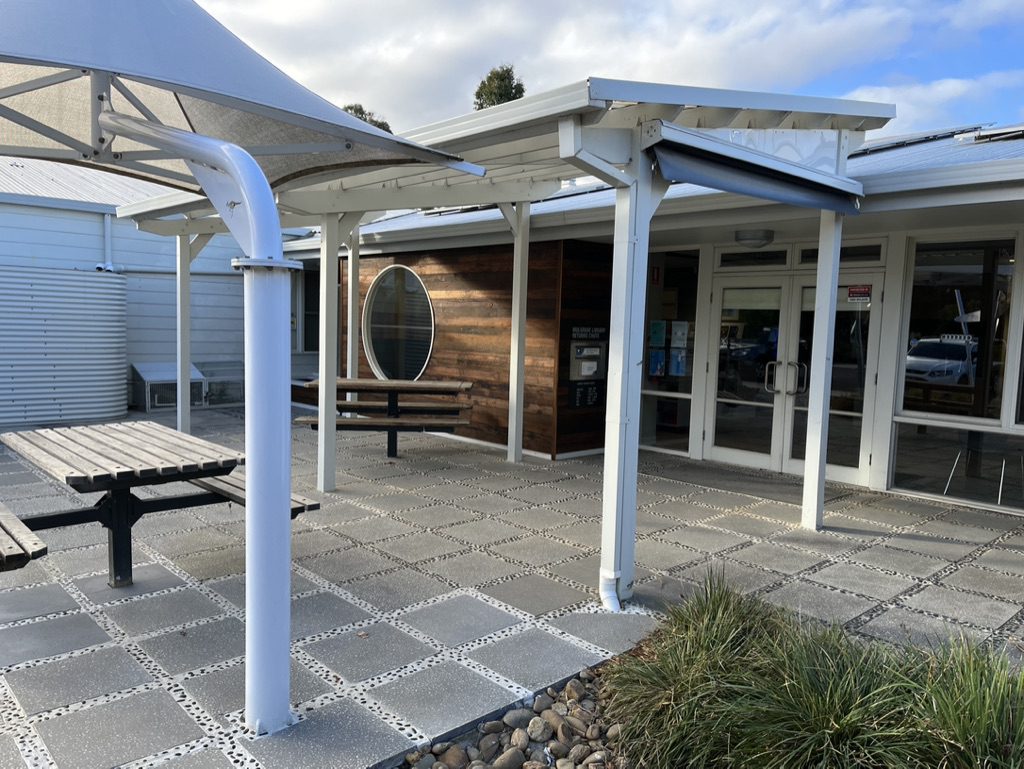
(398, 324)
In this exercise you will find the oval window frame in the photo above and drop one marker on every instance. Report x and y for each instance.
(371, 356)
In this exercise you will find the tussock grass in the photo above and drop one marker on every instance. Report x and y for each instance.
(729, 681)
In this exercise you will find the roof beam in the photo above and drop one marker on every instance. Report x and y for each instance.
(337, 201)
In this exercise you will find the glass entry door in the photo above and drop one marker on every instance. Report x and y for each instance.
(763, 375)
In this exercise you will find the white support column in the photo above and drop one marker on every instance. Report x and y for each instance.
(187, 250)
(327, 371)
(820, 391)
(634, 207)
(518, 218)
(352, 323)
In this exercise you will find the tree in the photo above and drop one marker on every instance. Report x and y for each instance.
(359, 111)
(500, 85)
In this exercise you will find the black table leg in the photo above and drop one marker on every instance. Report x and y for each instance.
(392, 434)
(119, 537)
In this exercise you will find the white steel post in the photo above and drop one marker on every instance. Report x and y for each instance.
(820, 391)
(519, 221)
(183, 346)
(236, 186)
(352, 319)
(634, 207)
(327, 396)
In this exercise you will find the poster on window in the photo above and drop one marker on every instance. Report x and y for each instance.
(677, 361)
(656, 333)
(680, 333)
(656, 361)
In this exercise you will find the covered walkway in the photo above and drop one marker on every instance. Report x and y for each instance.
(436, 589)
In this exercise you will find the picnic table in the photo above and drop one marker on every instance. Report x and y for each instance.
(117, 458)
(395, 414)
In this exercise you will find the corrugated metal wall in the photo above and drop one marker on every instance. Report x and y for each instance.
(63, 346)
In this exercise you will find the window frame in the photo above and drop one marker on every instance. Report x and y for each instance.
(371, 356)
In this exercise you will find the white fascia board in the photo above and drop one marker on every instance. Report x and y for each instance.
(164, 205)
(7, 198)
(656, 131)
(966, 174)
(859, 115)
(427, 196)
(545, 106)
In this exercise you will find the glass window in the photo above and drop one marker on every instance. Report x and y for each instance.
(310, 311)
(754, 258)
(956, 345)
(847, 254)
(398, 324)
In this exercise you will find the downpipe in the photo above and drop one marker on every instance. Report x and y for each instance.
(607, 588)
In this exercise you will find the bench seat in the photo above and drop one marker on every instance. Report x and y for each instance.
(381, 407)
(403, 422)
(18, 544)
(232, 487)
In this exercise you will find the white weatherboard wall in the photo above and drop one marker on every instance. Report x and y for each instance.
(69, 236)
(63, 346)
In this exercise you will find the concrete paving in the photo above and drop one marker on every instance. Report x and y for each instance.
(436, 589)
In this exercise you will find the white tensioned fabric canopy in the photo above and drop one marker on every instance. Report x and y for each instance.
(159, 90)
(168, 62)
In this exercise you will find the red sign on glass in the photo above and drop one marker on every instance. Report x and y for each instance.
(858, 293)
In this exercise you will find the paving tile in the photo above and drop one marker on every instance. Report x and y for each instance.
(348, 564)
(397, 589)
(435, 516)
(919, 542)
(342, 735)
(223, 691)
(776, 557)
(322, 611)
(179, 651)
(213, 563)
(30, 574)
(964, 607)
(152, 613)
(389, 503)
(660, 593)
(540, 518)
(957, 531)
(810, 600)
(491, 504)
(34, 602)
(682, 511)
(843, 525)
(748, 525)
(704, 539)
(89, 560)
(204, 759)
(882, 515)
(368, 652)
(538, 550)
(469, 569)
(485, 532)
(155, 524)
(985, 519)
(419, 546)
(9, 753)
(148, 578)
(48, 638)
(459, 619)
(725, 500)
(987, 582)
(233, 588)
(65, 537)
(63, 682)
(536, 594)
(1002, 559)
(589, 507)
(615, 632)
(331, 513)
(737, 576)
(816, 542)
(315, 542)
(902, 561)
(118, 732)
(778, 511)
(374, 529)
(663, 556)
(859, 579)
(534, 659)
(908, 628)
(584, 535)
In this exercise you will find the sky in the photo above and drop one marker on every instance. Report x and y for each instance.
(944, 63)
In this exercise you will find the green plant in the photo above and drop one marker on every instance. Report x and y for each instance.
(972, 706)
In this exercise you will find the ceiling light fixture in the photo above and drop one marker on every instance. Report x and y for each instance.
(755, 238)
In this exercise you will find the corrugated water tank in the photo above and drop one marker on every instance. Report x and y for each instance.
(63, 346)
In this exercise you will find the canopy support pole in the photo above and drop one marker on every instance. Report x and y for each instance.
(236, 186)
(518, 218)
(822, 346)
(327, 363)
(352, 307)
(187, 250)
(332, 229)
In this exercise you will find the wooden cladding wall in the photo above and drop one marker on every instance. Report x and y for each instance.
(585, 303)
(471, 291)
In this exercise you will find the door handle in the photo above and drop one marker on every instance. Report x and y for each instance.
(769, 368)
(807, 377)
(796, 380)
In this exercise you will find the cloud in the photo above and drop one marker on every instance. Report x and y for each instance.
(415, 63)
(946, 103)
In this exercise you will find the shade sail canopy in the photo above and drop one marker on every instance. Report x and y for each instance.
(168, 62)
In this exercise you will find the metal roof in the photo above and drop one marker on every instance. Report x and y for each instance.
(32, 178)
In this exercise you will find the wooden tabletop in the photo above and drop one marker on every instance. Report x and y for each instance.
(98, 457)
(421, 386)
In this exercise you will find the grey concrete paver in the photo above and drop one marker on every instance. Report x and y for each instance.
(34, 602)
(987, 612)
(859, 579)
(397, 589)
(907, 628)
(818, 602)
(534, 658)
(616, 633)
(459, 619)
(196, 647)
(536, 594)
(318, 612)
(153, 613)
(901, 561)
(148, 578)
(47, 638)
(369, 651)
